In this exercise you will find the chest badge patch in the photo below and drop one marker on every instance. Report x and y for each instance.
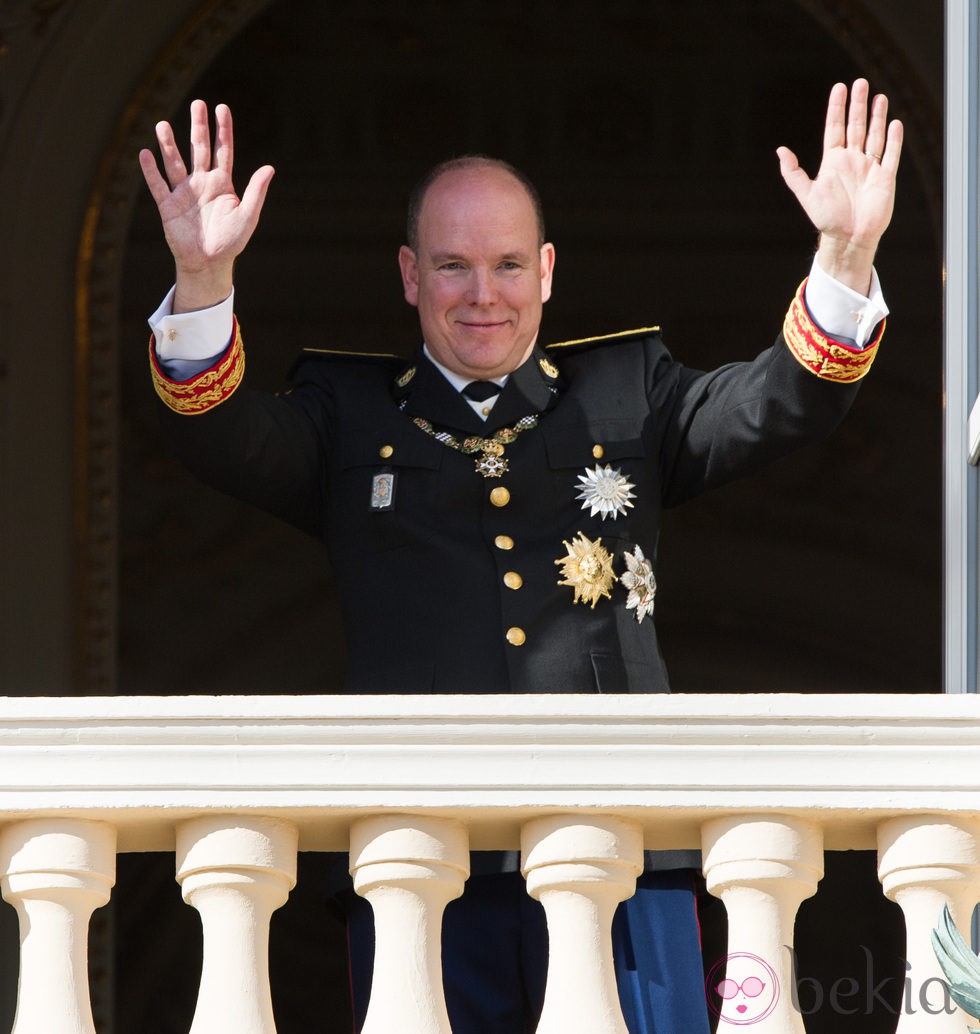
(639, 580)
(605, 492)
(383, 491)
(587, 568)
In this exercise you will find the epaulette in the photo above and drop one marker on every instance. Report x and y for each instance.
(330, 353)
(580, 344)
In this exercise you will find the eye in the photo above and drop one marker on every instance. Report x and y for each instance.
(510, 266)
(450, 267)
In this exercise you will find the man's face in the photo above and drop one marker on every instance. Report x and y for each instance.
(479, 278)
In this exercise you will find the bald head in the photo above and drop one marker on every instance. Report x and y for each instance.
(467, 163)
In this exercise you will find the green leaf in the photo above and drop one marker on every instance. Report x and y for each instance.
(960, 966)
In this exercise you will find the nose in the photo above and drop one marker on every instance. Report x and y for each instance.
(481, 289)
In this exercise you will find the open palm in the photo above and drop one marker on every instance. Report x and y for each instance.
(851, 199)
(205, 222)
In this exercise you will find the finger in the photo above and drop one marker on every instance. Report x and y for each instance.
(794, 177)
(875, 142)
(200, 138)
(857, 115)
(893, 148)
(224, 139)
(157, 184)
(833, 134)
(173, 163)
(254, 196)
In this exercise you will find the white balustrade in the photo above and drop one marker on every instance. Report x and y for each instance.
(409, 868)
(580, 868)
(762, 783)
(236, 872)
(56, 872)
(762, 867)
(924, 863)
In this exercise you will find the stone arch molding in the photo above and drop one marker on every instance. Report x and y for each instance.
(207, 30)
(98, 277)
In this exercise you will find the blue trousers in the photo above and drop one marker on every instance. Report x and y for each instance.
(495, 957)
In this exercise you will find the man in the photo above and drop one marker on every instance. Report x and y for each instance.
(492, 507)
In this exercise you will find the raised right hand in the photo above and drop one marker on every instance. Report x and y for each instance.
(205, 222)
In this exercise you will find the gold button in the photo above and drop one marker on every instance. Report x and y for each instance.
(503, 542)
(500, 496)
(598, 451)
(485, 411)
(516, 636)
(386, 452)
(513, 580)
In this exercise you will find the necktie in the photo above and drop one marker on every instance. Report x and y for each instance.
(480, 391)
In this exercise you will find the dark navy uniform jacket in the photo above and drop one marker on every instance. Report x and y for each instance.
(426, 605)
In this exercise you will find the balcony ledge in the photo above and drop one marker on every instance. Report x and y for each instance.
(669, 762)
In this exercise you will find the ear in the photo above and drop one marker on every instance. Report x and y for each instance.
(547, 270)
(410, 274)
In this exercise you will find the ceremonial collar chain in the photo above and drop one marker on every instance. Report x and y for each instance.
(492, 463)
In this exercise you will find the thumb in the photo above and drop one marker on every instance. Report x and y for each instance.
(793, 176)
(254, 196)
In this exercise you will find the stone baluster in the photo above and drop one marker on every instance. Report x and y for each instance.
(56, 872)
(762, 867)
(580, 869)
(236, 872)
(409, 868)
(925, 862)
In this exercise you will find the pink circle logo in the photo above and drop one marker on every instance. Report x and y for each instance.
(742, 989)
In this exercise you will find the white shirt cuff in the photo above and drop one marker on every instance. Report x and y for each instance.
(841, 313)
(192, 336)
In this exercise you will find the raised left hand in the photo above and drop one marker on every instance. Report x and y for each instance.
(851, 200)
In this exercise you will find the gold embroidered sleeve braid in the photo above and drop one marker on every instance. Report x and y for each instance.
(823, 356)
(209, 388)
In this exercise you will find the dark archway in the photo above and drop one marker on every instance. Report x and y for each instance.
(650, 131)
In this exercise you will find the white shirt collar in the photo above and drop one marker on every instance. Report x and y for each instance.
(459, 382)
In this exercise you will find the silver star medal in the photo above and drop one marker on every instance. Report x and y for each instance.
(638, 578)
(605, 491)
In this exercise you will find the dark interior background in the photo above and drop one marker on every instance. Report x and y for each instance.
(651, 131)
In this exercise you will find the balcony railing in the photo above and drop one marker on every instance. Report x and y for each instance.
(581, 784)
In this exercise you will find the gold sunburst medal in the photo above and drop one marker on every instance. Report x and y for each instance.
(587, 568)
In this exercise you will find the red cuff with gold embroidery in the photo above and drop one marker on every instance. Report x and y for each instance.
(828, 359)
(206, 390)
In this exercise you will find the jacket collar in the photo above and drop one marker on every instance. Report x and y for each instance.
(423, 391)
(532, 388)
